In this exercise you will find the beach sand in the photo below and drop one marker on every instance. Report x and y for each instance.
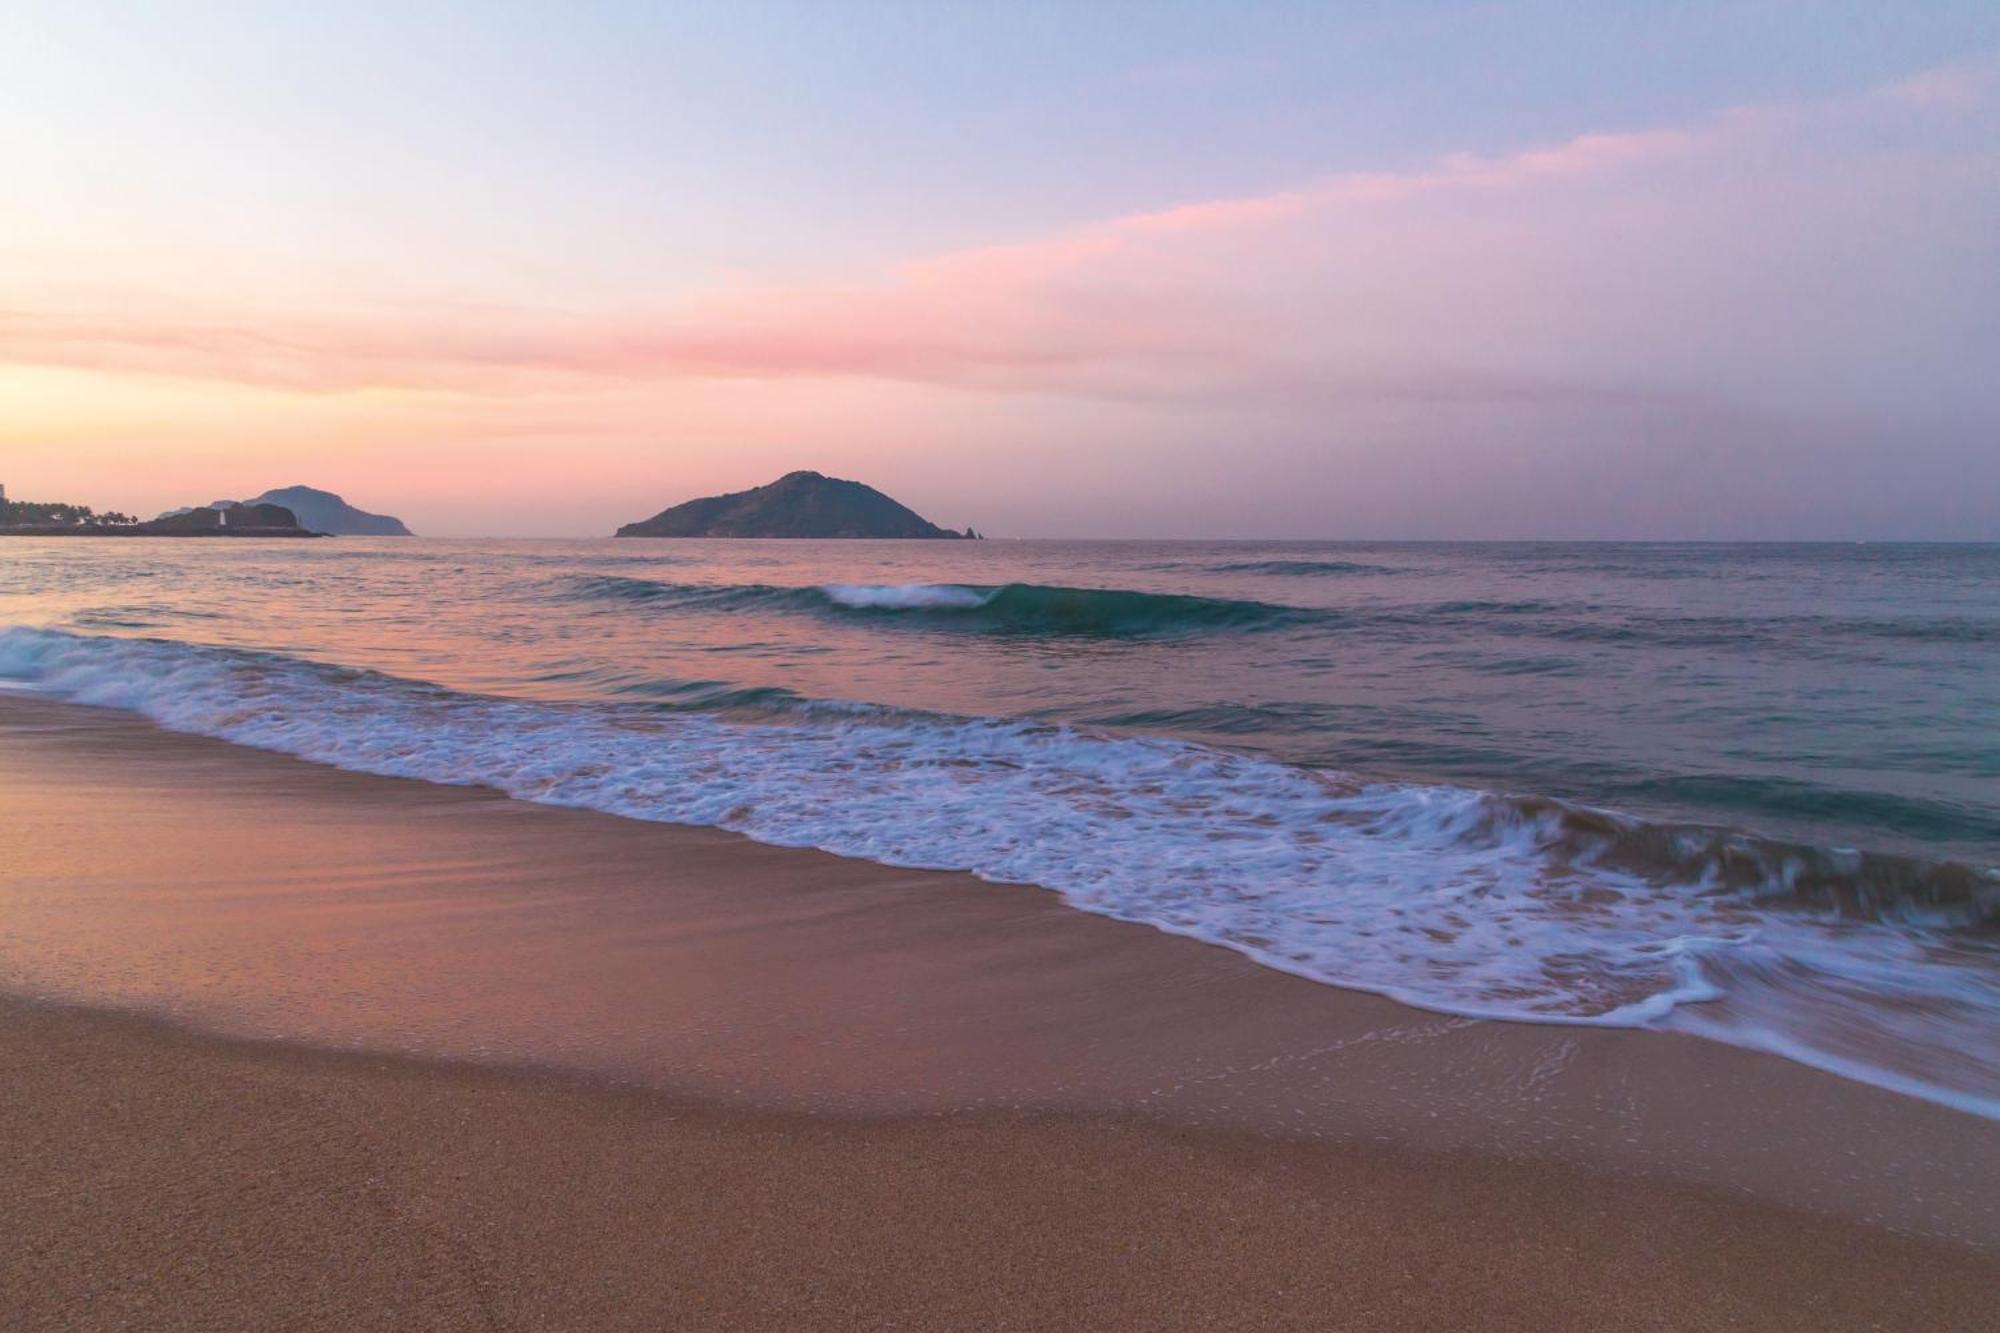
(401, 1055)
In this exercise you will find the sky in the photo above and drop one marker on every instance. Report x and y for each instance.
(1104, 269)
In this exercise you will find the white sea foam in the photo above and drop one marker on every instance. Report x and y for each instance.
(907, 596)
(1439, 896)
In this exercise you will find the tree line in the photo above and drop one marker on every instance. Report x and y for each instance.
(31, 513)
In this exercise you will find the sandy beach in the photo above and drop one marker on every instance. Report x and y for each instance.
(295, 1047)
(1226, 665)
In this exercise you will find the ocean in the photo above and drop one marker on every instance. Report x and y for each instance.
(1750, 792)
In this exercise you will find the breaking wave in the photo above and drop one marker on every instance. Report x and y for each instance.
(1455, 899)
(1029, 610)
(1021, 609)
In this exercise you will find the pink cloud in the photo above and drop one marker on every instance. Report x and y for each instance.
(988, 315)
(1173, 300)
(1959, 87)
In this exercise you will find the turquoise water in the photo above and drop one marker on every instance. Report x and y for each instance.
(1752, 791)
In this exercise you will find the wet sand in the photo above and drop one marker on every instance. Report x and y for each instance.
(444, 1059)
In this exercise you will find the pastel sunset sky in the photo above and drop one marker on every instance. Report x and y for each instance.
(1361, 270)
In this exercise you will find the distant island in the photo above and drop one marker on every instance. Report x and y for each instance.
(225, 518)
(323, 512)
(798, 504)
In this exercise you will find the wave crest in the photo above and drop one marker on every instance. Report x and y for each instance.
(907, 596)
(1300, 568)
(1018, 609)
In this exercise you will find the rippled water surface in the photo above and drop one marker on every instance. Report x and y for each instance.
(1751, 790)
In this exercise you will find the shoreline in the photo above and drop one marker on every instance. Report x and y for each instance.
(1520, 909)
(255, 534)
(273, 911)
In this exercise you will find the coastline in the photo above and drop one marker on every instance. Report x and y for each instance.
(140, 531)
(1062, 1089)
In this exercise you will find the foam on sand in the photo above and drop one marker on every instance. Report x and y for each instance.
(1444, 897)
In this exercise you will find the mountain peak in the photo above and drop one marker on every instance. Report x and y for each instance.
(798, 504)
(323, 511)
